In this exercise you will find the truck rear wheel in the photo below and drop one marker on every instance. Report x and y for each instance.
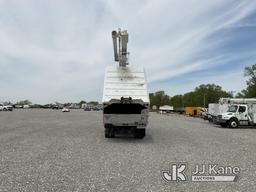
(109, 132)
(112, 132)
(233, 123)
(139, 133)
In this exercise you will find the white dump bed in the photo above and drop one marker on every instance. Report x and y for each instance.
(125, 82)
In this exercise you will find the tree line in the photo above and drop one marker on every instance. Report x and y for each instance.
(204, 94)
(49, 105)
(250, 90)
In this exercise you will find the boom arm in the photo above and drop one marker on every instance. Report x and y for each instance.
(120, 40)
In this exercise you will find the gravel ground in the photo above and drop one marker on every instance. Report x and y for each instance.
(47, 150)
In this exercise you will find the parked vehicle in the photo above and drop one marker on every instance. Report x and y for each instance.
(216, 109)
(192, 111)
(87, 109)
(5, 107)
(55, 107)
(242, 113)
(165, 109)
(8, 108)
(125, 96)
(204, 113)
(65, 109)
(97, 107)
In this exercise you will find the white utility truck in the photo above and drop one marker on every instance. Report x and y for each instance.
(240, 112)
(125, 96)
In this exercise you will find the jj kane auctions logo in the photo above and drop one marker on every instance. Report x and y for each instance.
(209, 173)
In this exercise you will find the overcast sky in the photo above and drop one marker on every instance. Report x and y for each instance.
(58, 50)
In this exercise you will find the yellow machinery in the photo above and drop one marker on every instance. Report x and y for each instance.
(193, 111)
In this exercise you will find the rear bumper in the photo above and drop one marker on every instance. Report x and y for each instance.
(126, 120)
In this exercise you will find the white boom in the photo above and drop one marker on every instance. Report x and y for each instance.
(237, 100)
(120, 41)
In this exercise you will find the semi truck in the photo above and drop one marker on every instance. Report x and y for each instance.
(125, 96)
(240, 112)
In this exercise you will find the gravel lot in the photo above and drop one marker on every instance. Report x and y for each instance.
(47, 150)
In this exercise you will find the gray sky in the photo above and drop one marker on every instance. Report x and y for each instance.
(58, 50)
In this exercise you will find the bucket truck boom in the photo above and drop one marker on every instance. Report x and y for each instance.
(120, 41)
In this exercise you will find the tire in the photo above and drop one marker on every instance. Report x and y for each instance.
(223, 124)
(233, 123)
(112, 132)
(107, 132)
(210, 119)
(139, 133)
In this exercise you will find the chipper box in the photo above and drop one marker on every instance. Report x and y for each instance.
(125, 95)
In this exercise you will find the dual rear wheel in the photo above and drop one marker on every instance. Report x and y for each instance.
(139, 133)
(109, 132)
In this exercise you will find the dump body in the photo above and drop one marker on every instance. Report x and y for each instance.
(125, 82)
(125, 98)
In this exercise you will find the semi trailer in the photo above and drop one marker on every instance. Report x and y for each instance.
(125, 96)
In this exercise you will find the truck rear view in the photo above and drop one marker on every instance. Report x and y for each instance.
(125, 96)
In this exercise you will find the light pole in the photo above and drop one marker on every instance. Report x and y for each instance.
(204, 100)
